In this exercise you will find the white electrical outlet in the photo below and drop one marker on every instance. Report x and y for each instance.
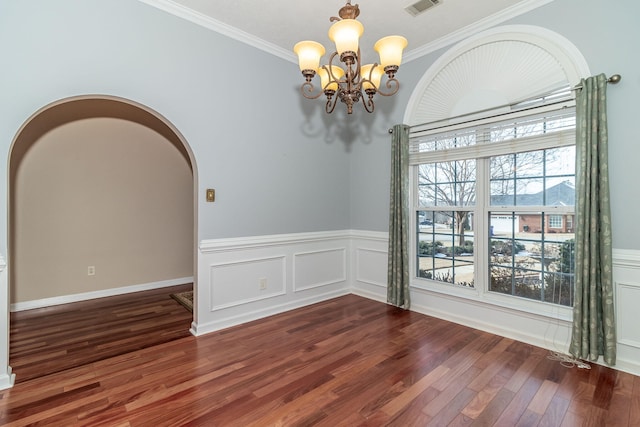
(263, 283)
(91, 270)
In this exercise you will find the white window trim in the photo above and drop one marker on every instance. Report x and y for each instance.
(480, 291)
(556, 216)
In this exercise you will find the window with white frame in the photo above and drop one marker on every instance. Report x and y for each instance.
(490, 198)
(555, 221)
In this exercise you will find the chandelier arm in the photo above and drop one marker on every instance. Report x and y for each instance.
(307, 91)
(393, 85)
(329, 69)
(368, 104)
(331, 104)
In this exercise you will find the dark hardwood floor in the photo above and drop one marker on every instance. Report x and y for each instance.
(53, 339)
(348, 361)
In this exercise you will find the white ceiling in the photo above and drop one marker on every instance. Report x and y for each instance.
(277, 25)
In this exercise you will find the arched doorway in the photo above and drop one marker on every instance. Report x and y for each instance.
(100, 180)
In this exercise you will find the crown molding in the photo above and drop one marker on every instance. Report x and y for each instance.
(481, 25)
(220, 27)
(198, 18)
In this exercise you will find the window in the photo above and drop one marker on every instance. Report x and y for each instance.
(555, 221)
(494, 201)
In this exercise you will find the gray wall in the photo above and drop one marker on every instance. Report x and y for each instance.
(266, 151)
(607, 35)
(279, 165)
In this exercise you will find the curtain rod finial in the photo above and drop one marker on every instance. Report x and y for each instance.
(615, 78)
(390, 130)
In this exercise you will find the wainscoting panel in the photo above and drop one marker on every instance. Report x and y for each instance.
(369, 264)
(319, 268)
(627, 300)
(244, 279)
(626, 277)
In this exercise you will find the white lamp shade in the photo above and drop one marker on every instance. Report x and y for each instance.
(346, 34)
(376, 75)
(309, 53)
(390, 50)
(325, 78)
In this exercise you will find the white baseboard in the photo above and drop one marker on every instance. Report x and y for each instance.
(227, 322)
(7, 379)
(369, 295)
(66, 299)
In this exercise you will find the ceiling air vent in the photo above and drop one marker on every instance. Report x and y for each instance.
(421, 6)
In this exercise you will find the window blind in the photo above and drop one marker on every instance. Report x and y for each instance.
(522, 131)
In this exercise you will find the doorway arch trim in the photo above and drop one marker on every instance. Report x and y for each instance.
(64, 111)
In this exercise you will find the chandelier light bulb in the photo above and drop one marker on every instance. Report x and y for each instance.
(309, 54)
(346, 35)
(390, 50)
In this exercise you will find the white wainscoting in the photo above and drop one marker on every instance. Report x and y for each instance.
(626, 277)
(318, 268)
(7, 377)
(242, 276)
(243, 279)
(369, 280)
(369, 264)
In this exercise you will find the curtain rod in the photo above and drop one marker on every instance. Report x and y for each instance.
(614, 79)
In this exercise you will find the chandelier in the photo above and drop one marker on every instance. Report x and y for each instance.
(347, 82)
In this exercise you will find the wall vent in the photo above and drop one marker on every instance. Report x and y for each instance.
(421, 6)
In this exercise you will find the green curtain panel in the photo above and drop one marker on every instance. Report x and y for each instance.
(398, 265)
(594, 331)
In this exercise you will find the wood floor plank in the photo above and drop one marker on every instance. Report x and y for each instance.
(555, 412)
(456, 386)
(407, 396)
(411, 414)
(634, 415)
(348, 361)
(541, 400)
(483, 397)
(521, 400)
(54, 339)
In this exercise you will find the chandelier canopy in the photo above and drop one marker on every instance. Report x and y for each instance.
(347, 82)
